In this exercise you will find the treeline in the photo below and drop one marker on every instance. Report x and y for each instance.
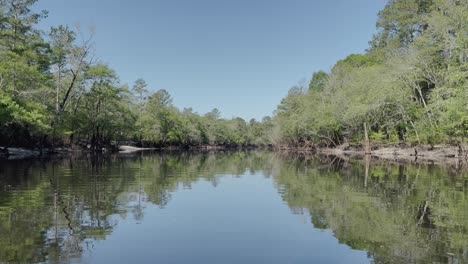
(160, 123)
(409, 87)
(54, 92)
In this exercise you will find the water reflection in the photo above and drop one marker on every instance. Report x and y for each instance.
(57, 210)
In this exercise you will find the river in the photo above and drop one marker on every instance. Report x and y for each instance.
(231, 207)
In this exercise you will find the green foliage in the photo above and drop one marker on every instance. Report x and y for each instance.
(11, 112)
(318, 81)
(163, 125)
(53, 92)
(410, 86)
(377, 136)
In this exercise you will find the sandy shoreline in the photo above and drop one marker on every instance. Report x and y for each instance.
(130, 149)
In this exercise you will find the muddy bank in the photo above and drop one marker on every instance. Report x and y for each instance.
(19, 153)
(24, 153)
(432, 154)
(438, 154)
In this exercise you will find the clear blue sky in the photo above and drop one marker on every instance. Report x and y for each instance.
(240, 56)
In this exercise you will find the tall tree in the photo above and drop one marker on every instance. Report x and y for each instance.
(139, 88)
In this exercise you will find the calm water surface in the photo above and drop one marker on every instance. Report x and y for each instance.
(233, 207)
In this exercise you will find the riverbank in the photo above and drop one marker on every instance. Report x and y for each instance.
(422, 153)
(26, 153)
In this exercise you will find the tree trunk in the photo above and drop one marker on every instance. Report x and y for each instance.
(367, 149)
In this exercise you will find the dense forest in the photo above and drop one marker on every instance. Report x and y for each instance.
(410, 86)
(54, 92)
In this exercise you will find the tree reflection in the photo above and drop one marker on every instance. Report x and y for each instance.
(398, 213)
(53, 210)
